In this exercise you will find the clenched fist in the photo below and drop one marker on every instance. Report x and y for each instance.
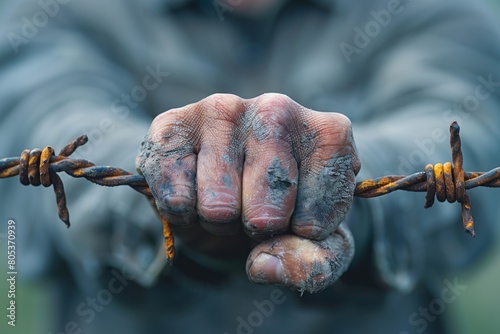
(269, 167)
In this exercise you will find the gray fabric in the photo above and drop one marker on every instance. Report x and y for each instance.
(399, 90)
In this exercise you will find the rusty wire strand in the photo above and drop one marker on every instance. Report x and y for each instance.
(446, 182)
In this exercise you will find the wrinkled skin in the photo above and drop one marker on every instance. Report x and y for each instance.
(228, 172)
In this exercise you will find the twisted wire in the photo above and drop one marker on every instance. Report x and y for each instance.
(40, 167)
(445, 182)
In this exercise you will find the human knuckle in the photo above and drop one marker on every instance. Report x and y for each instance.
(273, 120)
(276, 107)
(338, 136)
(341, 119)
(272, 115)
(170, 125)
(332, 144)
(335, 128)
(177, 205)
(218, 203)
(317, 231)
(215, 98)
(225, 107)
(275, 99)
(264, 218)
(165, 119)
(219, 213)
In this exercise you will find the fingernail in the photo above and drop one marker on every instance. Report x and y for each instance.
(266, 268)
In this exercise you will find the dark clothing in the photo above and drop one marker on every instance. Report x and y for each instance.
(402, 74)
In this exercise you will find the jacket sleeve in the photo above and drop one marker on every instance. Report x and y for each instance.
(56, 83)
(435, 62)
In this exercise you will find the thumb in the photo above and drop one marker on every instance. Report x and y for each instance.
(302, 264)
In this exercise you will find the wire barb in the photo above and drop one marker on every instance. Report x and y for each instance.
(446, 182)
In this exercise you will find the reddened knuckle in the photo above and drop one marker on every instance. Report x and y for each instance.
(341, 119)
(221, 106)
(175, 205)
(275, 100)
(219, 213)
(336, 128)
(340, 122)
(216, 97)
(209, 102)
(160, 122)
(164, 122)
(274, 114)
(265, 218)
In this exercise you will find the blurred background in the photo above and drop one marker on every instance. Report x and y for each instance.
(476, 311)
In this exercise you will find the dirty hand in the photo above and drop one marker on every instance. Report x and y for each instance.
(268, 165)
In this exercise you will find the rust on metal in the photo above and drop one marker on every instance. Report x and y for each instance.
(446, 182)
(442, 181)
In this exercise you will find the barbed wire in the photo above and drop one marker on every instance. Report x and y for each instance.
(446, 182)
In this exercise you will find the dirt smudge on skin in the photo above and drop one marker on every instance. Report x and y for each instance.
(161, 179)
(226, 179)
(327, 198)
(279, 181)
(260, 131)
(227, 159)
